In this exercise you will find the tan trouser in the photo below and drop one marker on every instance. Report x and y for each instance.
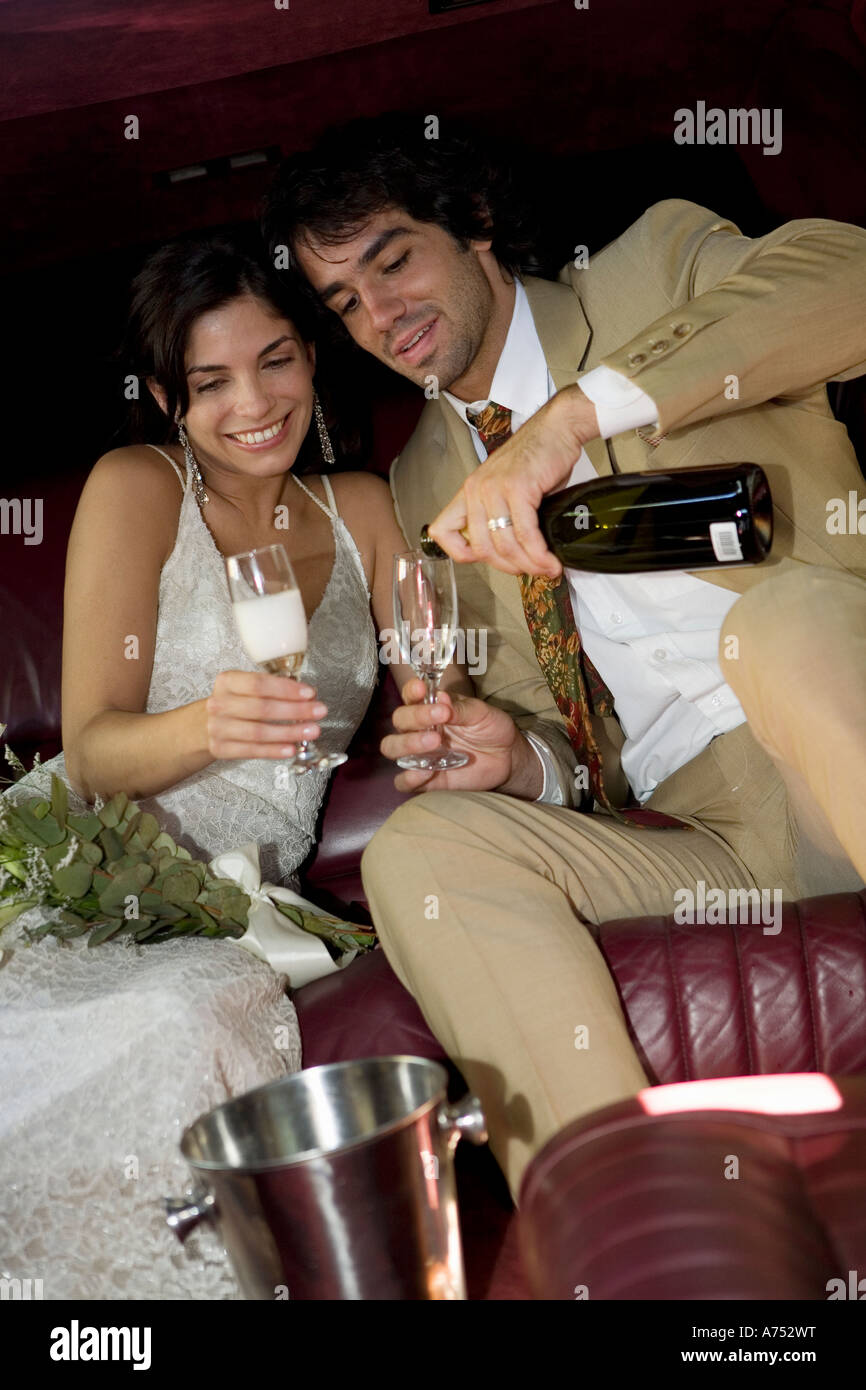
(481, 901)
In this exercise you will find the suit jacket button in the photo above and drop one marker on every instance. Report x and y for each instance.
(661, 346)
(682, 330)
(636, 358)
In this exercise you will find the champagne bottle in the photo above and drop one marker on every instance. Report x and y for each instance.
(688, 519)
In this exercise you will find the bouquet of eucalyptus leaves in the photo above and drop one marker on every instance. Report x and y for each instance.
(113, 873)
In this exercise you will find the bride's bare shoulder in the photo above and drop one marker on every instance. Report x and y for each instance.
(140, 461)
(136, 492)
(135, 473)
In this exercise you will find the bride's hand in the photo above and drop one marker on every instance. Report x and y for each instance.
(251, 714)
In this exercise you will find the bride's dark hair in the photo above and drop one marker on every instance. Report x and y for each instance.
(176, 285)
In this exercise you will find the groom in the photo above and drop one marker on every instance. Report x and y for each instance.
(681, 343)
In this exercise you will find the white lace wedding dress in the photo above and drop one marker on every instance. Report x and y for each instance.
(108, 1054)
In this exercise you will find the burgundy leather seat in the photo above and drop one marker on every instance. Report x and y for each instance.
(710, 1204)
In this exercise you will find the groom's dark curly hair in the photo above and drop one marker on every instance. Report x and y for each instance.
(447, 176)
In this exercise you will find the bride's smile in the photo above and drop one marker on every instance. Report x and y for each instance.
(250, 381)
(267, 435)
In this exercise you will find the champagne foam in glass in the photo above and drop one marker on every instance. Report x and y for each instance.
(273, 627)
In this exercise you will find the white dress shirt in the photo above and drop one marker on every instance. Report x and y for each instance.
(652, 637)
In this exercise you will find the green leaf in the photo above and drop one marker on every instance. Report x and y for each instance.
(155, 905)
(59, 799)
(173, 866)
(190, 926)
(16, 869)
(148, 930)
(73, 880)
(180, 887)
(113, 810)
(44, 831)
(91, 854)
(204, 916)
(131, 824)
(8, 914)
(30, 837)
(128, 883)
(87, 826)
(150, 900)
(111, 843)
(164, 841)
(147, 829)
(293, 913)
(226, 902)
(332, 930)
(73, 919)
(10, 838)
(126, 861)
(103, 932)
(45, 929)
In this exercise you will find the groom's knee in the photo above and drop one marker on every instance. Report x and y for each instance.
(782, 630)
(765, 638)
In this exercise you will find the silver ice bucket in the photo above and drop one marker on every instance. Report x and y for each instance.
(336, 1182)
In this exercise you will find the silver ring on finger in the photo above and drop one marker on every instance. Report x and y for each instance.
(499, 523)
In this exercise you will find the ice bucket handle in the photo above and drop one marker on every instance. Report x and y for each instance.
(464, 1120)
(182, 1214)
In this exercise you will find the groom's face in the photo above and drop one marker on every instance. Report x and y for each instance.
(408, 293)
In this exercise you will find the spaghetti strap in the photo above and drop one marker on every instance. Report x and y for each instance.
(326, 484)
(172, 462)
(329, 511)
(339, 526)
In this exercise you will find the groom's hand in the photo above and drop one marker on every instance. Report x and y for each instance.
(500, 759)
(536, 460)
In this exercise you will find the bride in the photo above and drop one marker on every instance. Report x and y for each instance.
(159, 698)
(110, 1053)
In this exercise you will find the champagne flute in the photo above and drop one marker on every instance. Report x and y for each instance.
(425, 615)
(269, 613)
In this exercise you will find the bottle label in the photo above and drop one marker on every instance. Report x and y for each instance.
(725, 540)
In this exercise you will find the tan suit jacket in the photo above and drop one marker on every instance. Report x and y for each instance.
(692, 312)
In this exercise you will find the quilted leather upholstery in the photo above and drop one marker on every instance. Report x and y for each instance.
(728, 1001)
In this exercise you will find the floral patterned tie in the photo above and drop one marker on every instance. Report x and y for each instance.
(576, 685)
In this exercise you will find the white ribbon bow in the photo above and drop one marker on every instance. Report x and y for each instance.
(270, 935)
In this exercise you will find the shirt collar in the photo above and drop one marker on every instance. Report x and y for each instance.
(520, 382)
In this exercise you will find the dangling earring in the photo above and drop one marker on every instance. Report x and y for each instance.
(198, 486)
(324, 437)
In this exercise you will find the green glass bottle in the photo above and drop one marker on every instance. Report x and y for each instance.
(634, 523)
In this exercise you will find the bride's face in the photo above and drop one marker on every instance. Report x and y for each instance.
(250, 382)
